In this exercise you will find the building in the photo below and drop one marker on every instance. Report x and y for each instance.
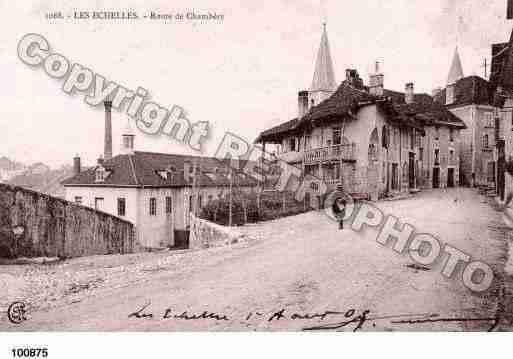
(502, 84)
(370, 139)
(154, 191)
(471, 100)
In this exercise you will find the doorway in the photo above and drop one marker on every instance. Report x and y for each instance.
(436, 177)
(450, 177)
(411, 170)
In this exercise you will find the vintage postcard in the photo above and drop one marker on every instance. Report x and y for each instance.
(272, 166)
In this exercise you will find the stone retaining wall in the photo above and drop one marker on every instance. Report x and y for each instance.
(33, 224)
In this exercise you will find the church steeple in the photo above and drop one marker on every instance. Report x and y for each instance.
(456, 71)
(324, 76)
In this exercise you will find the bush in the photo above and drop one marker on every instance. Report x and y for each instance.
(245, 208)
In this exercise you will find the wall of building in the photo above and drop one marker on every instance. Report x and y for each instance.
(110, 196)
(475, 158)
(33, 225)
(429, 145)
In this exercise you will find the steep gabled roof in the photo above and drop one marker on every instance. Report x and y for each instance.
(142, 170)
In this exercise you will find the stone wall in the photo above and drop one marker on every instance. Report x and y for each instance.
(33, 224)
(205, 234)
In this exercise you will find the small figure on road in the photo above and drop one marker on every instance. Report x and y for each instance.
(339, 207)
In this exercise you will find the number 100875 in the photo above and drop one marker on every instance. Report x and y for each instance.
(29, 352)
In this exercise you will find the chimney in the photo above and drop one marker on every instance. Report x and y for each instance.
(101, 161)
(76, 165)
(188, 170)
(353, 78)
(302, 103)
(376, 81)
(435, 93)
(107, 153)
(409, 93)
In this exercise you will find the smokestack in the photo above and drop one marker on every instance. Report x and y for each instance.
(76, 165)
(302, 103)
(409, 93)
(107, 153)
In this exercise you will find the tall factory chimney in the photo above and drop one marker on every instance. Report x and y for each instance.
(107, 153)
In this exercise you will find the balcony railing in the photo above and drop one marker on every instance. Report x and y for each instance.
(345, 152)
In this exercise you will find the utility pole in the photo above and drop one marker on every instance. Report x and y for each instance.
(230, 195)
(485, 65)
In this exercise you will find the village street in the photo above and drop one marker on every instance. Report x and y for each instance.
(301, 264)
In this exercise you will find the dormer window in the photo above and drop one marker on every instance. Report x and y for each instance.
(101, 174)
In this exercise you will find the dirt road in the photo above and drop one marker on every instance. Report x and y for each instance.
(301, 264)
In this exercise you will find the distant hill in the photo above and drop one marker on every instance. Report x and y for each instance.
(38, 177)
(9, 169)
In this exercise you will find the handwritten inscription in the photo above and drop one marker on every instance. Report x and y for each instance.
(348, 319)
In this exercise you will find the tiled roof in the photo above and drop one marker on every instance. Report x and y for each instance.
(142, 169)
(469, 90)
(346, 99)
(424, 108)
(280, 129)
(499, 55)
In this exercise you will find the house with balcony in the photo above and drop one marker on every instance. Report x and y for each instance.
(367, 138)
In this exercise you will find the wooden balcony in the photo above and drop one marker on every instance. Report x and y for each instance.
(345, 152)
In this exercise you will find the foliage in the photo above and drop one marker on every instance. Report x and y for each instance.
(246, 209)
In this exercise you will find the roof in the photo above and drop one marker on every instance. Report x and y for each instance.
(324, 76)
(456, 70)
(348, 99)
(141, 169)
(424, 110)
(281, 129)
(502, 66)
(345, 100)
(469, 90)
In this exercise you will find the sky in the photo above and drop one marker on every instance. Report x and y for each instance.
(241, 74)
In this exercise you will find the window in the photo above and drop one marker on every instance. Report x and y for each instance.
(100, 174)
(98, 203)
(488, 119)
(307, 142)
(169, 205)
(451, 156)
(412, 139)
(190, 203)
(451, 135)
(437, 133)
(337, 136)
(485, 141)
(211, 198)
(78, 200)
(121, 207)
(421, 154)
(200, 201)
(437, 156)
(292, 144)
(384, 137)
(153, 206)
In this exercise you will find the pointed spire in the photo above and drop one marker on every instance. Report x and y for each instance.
(456, 71)
(324, 76)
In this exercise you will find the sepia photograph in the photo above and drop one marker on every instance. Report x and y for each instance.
(196, 167)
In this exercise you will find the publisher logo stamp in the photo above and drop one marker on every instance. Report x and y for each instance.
(16, 312)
